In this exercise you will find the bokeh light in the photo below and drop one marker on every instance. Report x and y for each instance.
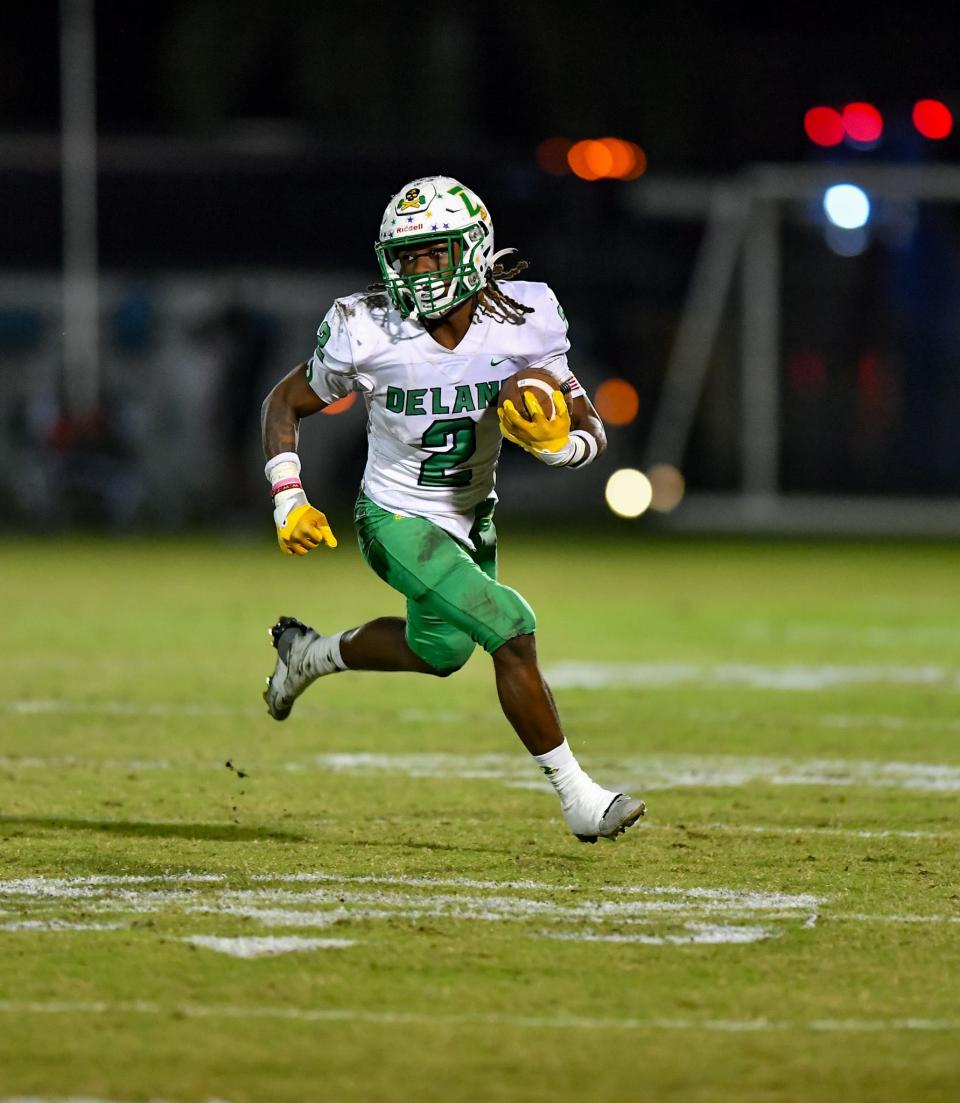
(628, 492)
(668, 487)
(552, 156)
(824, 125)
(590, 159)
(862, 122)
(341, 405)
(617, 401)
(639, 163)
(932, 118)
(847, 206)
(847, 243)
(606, 159)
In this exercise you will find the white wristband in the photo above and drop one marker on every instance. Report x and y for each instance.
(284, 465)
(579, 450)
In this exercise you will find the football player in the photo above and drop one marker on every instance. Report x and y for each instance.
(428, 350)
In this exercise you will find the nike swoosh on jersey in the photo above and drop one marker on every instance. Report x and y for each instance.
(493, 363)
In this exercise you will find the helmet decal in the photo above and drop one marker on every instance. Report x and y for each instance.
(413, 199)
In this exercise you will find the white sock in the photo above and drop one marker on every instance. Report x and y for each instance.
(574, 786)
(323, 656)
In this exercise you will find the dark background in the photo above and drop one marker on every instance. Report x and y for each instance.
(243, 139)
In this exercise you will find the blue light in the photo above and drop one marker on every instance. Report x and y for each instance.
(847, 206)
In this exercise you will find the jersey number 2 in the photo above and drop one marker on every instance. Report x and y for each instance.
(437, 469)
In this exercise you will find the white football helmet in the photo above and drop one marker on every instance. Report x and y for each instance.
(436, 208)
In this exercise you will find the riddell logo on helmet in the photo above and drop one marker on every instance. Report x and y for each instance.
(409, 228)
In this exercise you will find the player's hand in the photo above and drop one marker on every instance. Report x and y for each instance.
(303, 529)
(537, 433)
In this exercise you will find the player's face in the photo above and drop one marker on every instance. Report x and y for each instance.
(419, 260)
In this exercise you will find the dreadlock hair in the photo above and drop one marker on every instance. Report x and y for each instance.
(497, 304)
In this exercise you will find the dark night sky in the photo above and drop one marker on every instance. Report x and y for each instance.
(700, 86)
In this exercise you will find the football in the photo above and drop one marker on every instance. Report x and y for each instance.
(539, 382)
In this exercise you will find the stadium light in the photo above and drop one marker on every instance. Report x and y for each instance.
(847, 206)
(824, 126)
(932, 119)
(606, 159)
(863, 123)
(628, 492)
(617, 401)
(668, 487)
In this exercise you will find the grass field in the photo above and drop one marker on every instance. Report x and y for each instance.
(416, 923)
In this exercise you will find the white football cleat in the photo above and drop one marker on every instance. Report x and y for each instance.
(621, 812)
(291, 638)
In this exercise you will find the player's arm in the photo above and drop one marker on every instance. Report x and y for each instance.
(300, 527)
(585, 419)
(573, 437)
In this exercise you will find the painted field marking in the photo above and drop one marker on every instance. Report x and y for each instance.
(58, 925)
(712, 934)
(794, 677)
(320, 899)
(410, 1018)
(659, 771)
(265, 947)
(644, 772)
(776, 829)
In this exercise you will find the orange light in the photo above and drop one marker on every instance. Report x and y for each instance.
(341, 404)
(617, 401)
(639, 163)
(552, 156)
(606, 158)
(622, 158)
(590, 159)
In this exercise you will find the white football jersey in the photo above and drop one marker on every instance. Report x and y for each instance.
(433, 432)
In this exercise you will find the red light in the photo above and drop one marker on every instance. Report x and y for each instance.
(932, 118)
(823, 126)
(862, 122)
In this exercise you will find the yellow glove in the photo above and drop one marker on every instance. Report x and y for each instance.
(303, 529)
(536, 433)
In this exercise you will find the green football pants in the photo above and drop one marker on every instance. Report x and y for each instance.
(453, 598)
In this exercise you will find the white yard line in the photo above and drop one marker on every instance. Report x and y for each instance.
(266, 947)
(712, 934)
(661, 771)
(775, 829)
(20, 1009)
(322, 899)
(792, 677)
(644, 773)
(58, 925)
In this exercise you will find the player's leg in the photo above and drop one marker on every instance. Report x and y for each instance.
(422, 643)
(454, 600)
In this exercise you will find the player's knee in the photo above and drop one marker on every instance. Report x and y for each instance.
(451, 659)
(521, 649)
(518, 619)
(445, 672)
